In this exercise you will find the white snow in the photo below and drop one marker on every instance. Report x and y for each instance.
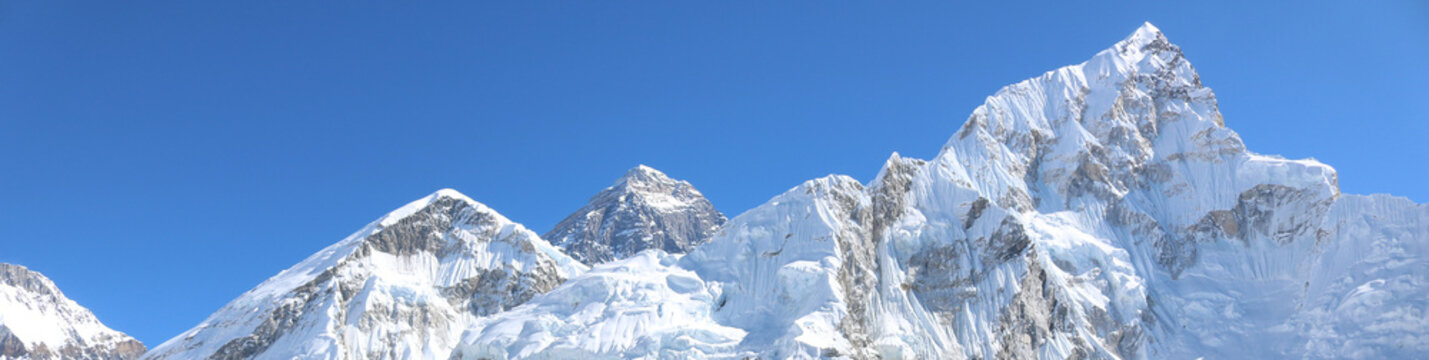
(1101, 162)
(641, 306)
(1102, 209)
(47, 318)
(394, 284)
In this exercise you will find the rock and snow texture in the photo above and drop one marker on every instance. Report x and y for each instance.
(642, 304)
(643, 210)
(38, 322)
(1101, 210)
(403, 287)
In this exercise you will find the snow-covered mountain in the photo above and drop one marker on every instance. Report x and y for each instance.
(1100, 210)
(643, 210)
(37, 322)
(403, 287)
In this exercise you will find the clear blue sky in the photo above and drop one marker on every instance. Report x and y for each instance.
(158, 159)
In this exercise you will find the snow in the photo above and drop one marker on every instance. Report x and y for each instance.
(1105, 165)
(1099, 210)
(642, 306)
(40, 315)
(389, 284)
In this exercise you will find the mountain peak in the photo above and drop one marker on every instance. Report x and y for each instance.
(643, 174)
(449, 193)
(37, 321)
(24, 278)
(425, 202)
(1146, 40)
(643, 209)
(446, 193)
(1145, 32)
(397, 286)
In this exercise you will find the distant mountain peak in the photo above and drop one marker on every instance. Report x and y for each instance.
(642, 178)
(1146, 33)
(644, 209)
(400, 285)
(643, 173)
(37, 321)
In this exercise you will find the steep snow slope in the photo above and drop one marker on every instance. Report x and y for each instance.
(405, 286)
(1366, 294)
(37, 321)
(1100, 210)
(643, 210)
(1151, 230)
(766, 285)
(643, 303)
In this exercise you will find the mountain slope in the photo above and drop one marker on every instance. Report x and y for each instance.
(1100, 210)
(644, 209)
(641, 303)
(732, 297)
(404, 286)
(37, 321)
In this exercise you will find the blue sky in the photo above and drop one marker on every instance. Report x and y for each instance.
(158, 159)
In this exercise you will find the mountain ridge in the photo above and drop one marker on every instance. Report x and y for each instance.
(1099, 210)
(396, 288)
(37, 321)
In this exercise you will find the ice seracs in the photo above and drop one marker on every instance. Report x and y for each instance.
(404, 286)
(38, 322)
(641, 306)
(644, 209)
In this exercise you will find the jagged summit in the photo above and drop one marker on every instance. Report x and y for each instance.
(1101, 210)
(644, 209)
(417, 205)
(643, 173)
(38, 322)
(24, 278)
(1143, 35)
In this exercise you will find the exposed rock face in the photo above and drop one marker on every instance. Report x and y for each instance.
(403, 287)
(38, 322)
(643, 210)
